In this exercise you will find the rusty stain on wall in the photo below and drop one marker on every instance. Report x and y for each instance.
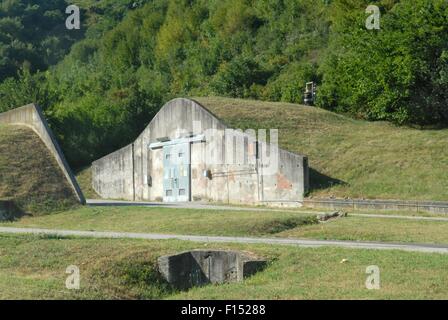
(283, 183)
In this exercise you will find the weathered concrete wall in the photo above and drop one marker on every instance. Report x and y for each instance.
(112, 176)
(199, 267)
(31, 116)
(394, 205)
(290, 183)
(232, 180)
(236, 177)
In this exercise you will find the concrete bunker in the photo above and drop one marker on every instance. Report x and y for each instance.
(200, 267)
(188, 154)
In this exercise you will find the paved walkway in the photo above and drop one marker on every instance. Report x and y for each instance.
(211, 239)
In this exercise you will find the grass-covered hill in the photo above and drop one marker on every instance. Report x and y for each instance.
(29, 175)
(349, 158)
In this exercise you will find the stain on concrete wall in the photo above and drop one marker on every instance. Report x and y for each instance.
(113, 175)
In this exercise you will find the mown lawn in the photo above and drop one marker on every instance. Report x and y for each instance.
(171, 221)
(374, 229)
(287, 224)
(33, 267)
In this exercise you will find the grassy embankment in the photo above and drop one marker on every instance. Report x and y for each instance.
(349, 158)
(34, 267)
(29, 175)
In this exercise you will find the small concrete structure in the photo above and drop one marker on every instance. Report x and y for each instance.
(378, 204)
(32, 116)
(188, 154)
(200, 267)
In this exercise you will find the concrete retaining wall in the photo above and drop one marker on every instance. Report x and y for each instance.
(354, 204)
(241, 181)
(119, 184)
(31, 116)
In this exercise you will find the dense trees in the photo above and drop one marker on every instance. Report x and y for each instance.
(398, 73)
(135, 55)
(32, 35)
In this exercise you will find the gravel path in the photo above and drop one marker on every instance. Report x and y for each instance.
(212, 239)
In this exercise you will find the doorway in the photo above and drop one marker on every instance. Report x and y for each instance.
(177, 172)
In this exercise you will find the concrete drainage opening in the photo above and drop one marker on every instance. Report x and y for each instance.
(200, 267)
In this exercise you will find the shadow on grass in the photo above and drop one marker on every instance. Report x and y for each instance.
(320, 181)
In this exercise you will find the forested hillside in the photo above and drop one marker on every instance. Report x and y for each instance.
(132, 56)
(32, 36)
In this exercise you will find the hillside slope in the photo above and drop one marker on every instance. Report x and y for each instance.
(349, 158)
(29, 175)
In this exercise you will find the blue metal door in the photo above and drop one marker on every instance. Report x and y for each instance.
(177, 171)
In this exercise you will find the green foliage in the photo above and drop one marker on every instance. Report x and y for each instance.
(111, 84)
(238, 77)
(289, 85)
(33, 35)
(397, 73)
(134, 277)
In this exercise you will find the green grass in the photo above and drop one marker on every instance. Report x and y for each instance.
(171, 221)
(84, 178)
(349, 158)
(29, 175)
(239, 223)
(32, 267)
(374, 229)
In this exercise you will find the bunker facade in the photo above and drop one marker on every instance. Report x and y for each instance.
(187, 154)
